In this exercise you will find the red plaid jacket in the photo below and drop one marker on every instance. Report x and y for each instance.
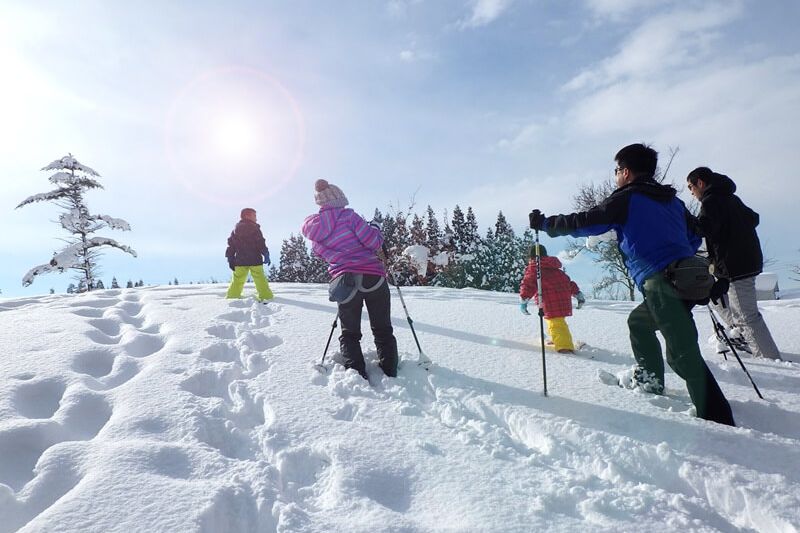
(558, 289)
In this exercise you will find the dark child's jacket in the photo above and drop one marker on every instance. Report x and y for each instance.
(246, 245)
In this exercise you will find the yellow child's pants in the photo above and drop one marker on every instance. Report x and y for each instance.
(240, 277)
(559, 331)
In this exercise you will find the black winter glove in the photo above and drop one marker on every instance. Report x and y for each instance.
(266, 258)
(231, 265)
(718, 289)
(536, 219)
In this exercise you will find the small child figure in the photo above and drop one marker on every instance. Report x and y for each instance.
(246, 248)
(558, 289)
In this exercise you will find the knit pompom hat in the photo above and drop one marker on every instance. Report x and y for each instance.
(328, 195)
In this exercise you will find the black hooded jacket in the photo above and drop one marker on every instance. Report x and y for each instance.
(729, 227)
(246, 245)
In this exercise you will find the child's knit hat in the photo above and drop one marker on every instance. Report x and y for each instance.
(532, 251)
(328, 195)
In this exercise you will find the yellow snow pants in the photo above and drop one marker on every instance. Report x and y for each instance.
(240, 277)
(559, 331)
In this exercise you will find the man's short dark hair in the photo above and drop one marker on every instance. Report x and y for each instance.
(247, 211)
(640, 159)
(701, 173)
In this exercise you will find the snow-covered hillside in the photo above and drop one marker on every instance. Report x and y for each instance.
(172, 409)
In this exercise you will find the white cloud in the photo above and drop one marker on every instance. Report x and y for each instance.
(399, 8)
(616, 9)
(484, 12)
(738, 119)
(527, 136)
(662, 43)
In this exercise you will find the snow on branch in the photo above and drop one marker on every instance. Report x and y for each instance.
(70, 163)
(94, 242)
(73, 257)
(44, 197)
(113, 223)
(61, 177)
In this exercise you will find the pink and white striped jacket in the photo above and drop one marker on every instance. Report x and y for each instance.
(345, 241)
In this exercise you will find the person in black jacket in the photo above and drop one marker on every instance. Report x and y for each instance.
(246, 248)
(653, 230)
(734, 250)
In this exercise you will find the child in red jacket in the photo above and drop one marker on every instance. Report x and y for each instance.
(558, 290)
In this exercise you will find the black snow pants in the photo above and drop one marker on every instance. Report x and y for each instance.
(662, 310)
(379, 309)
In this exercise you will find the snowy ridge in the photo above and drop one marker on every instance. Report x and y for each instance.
(173, 409)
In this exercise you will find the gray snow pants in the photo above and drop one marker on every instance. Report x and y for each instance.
(741, 312)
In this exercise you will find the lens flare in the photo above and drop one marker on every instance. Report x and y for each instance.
(234, 134)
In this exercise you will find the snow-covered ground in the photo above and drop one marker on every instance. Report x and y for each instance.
(171, 409)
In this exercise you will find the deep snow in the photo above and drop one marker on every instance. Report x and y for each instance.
(173, 409)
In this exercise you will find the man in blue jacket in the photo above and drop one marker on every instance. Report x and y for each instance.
(653, 230)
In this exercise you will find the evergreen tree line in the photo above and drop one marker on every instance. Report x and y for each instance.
(82, 286)
(458, 256)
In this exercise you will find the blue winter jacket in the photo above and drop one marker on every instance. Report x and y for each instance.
(653, 226)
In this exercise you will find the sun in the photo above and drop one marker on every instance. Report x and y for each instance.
(235, 135)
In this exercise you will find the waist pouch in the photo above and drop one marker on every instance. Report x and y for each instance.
(344, 288)
(691, 277)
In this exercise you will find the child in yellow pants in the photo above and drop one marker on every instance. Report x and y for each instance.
(558, 291)
(246, 248)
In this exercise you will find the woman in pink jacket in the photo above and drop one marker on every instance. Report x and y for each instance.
(350, 246)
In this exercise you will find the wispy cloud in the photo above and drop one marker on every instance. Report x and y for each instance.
(484, 12)
(616, 9)
(662, 43)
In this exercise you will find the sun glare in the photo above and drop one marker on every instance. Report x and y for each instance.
(235, 136)
(232, 133)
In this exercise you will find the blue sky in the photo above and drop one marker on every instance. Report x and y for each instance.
(193, 110)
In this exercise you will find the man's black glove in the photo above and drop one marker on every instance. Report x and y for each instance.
(231, 265)
(536, 219)
(718, 289)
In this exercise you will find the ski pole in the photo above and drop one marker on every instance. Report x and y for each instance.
(423, 360)
(541, 307)
(733, 350)
(718, 333)
(321, 364)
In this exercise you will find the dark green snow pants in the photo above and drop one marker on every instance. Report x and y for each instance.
(662, 310)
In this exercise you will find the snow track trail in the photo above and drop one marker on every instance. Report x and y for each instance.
(174, 409)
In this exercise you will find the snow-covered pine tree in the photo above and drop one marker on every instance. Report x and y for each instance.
(317, 271)
(273, 274)
(129, 285)
(464, 239)
(504, 256)
(459, 229)
(175, 281)
(472, 238)
(99, 284)
(82, 251)
(71, 288)
(114, 283)
(294, 259)
(403, 270)
(417, 233)
(479, 269)
(433, 234)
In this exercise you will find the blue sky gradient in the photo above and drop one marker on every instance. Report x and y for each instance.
(499, 104)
